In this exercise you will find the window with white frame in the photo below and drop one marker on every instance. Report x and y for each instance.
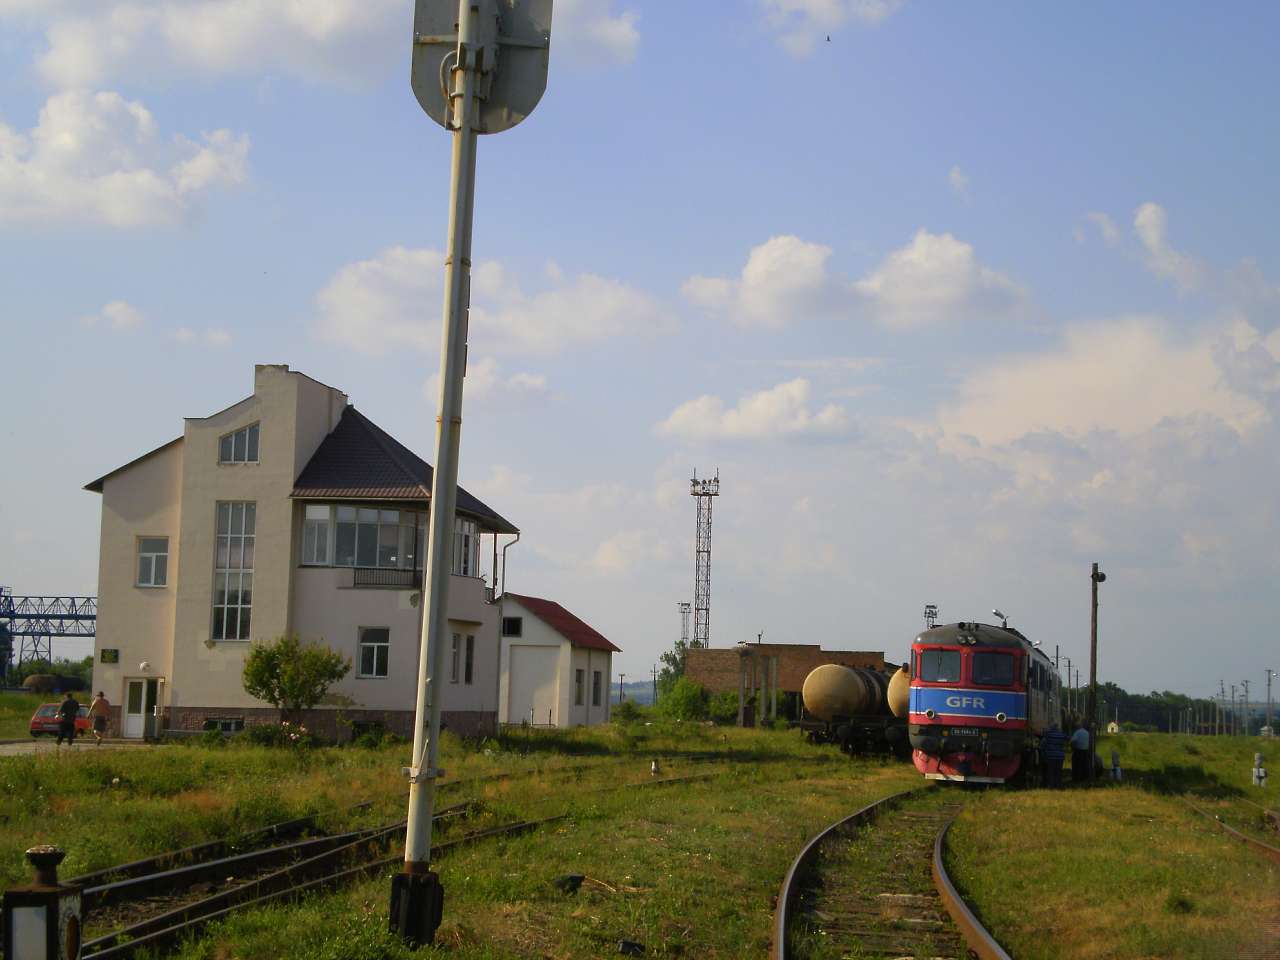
(375, 650)
(239, 447)
(579, 684)
(466, 548)
(468, 665)
(233, 570)
(315, 534)
(352, 536)
(595, 688)
(153, 561)
(455, 661)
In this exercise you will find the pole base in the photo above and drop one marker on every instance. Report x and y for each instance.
(417, 905)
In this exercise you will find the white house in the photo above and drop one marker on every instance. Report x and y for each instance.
(287, 512)
(554, 668)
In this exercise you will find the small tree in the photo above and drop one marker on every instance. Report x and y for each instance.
(685, 700)
(291, 675)
(673, 661)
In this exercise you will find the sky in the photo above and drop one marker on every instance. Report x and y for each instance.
(957, 299)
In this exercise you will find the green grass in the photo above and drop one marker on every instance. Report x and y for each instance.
(1130, 865)
(16, 710)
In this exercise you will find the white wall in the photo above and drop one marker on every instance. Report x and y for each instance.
(523, 678)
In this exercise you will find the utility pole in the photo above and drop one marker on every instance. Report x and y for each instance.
(620, 679)
(655, 684)
(1235, 724)
(1245, 684)
(1070, 708)
(1270, 673)
(478, 67)
(1222, 705)
(1056, 665)
(1095, 577)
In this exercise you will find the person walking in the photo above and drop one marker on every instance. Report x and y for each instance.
(68, 710)
(1053, 751)
(100, 715)
(1080, 753)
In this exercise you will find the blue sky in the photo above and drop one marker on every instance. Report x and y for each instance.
(958, 301)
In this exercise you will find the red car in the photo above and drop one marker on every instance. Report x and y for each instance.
(45, 720)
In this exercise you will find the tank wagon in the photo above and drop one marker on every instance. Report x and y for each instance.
(853, 707)
(981, 697)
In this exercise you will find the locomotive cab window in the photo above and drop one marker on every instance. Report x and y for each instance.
(939, 666)
(993, 669)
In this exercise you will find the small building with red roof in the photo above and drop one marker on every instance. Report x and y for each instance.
(554, 667)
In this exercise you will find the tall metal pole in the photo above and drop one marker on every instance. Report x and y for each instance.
(1270, 673)
(620, 677)
(1095, 577)
(1245, 684)
(435, 622)
(1235, 724)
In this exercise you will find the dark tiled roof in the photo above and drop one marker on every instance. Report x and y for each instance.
(359, 460)
(559, 619)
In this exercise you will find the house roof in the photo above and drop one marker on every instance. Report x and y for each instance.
(577, 632)
(359, 460)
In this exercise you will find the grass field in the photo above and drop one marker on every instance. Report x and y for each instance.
(16, 710)
(688, 869)
(1126, 871)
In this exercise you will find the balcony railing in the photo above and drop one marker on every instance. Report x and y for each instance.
(386, 577)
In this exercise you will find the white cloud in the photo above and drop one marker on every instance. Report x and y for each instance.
(959, 182)
(628, 550)
(932, 279)
(784, 280)
(1150, 223)
(97, 158)
(332, 41)
(1105, 226)
(393, 299)
(783, 410)
(117, 316)
(801, 24)
(487, 384)
(1124, 376)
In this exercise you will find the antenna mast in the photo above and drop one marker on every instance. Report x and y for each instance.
(685, 607)
(704, 490)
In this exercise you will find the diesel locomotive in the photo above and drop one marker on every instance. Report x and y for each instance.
(981, 698)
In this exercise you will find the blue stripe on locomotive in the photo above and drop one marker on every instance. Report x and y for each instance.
(960, 702)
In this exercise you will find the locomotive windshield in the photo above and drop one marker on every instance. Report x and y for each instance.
(993, 669)
(940, 665)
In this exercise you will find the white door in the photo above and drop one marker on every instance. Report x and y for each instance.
(133, 709)
(533, 688)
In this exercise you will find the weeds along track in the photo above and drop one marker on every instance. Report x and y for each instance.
(154, 904)
(873, 885)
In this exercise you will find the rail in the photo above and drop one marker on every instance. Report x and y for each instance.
(1266, 849)
(802, 863)
(979, 939)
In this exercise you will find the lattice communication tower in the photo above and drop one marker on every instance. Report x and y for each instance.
(685, 608)
(704, 491)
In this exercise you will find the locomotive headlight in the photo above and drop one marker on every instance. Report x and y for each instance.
(930, 713)
(1001, 717)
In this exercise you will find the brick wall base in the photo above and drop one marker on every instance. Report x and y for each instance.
(337, 725)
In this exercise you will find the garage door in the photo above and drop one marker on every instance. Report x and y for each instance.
(532, 689)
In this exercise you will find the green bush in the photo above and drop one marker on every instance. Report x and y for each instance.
(212, 738)
(625, 712)
(265, 734)
(723, 708)
(685, 700)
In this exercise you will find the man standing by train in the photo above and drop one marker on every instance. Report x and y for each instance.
(1080, 753)
(1053, 750)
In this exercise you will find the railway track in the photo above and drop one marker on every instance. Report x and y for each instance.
(874, 885)
(152, 904)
